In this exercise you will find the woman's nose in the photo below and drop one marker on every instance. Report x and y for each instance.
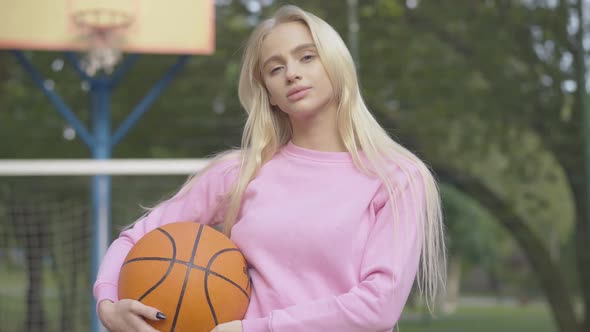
(293, 73)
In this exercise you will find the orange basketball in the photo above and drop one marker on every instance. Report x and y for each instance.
(192, 273)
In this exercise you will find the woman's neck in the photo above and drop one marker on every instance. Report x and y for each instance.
(319, 132)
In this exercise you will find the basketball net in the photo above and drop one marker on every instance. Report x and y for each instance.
(103, 31)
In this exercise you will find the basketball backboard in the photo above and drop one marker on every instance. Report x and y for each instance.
(146, 26)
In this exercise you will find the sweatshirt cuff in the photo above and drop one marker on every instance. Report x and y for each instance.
(256, 325)
(105, 292)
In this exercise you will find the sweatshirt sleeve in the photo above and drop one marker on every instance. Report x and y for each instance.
(197, 201)
(390, 262)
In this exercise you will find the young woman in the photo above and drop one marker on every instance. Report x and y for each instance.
(334, 218)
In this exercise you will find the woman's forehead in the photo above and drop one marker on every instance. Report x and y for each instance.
(285, 37)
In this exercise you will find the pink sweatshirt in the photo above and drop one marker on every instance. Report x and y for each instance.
(318, 236)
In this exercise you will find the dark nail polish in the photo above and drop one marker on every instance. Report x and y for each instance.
(160, 316)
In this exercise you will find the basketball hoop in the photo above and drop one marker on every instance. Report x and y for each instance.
(104, 31)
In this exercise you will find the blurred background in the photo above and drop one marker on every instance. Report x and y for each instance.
(486, 91)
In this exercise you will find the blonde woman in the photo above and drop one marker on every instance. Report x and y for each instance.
(335, 219)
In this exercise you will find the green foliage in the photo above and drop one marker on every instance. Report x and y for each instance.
(485, 318)
(476, 86)
(471, 230)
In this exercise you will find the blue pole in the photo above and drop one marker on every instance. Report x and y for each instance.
(99, 140)
(100, 90)
(122, 69)
(73, 60)
(149, 99)
(55, 99)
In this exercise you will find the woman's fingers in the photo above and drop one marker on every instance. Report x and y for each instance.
(145, 311)
(140, 325)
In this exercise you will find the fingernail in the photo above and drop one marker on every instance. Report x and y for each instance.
(160, 316)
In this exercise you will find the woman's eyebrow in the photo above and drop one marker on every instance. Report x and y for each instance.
(293, 51)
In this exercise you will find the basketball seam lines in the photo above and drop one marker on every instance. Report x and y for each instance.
(190, 265)
(208, 271)
(206, 282)
(169, 267)
(188, 272)
(194, 266)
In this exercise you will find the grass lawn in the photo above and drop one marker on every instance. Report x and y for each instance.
(13, 289)
(472, 316)
(488, 318)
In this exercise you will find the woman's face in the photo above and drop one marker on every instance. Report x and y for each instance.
(293, 72)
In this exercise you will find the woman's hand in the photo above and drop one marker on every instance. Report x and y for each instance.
(234, 326)
(127, 315)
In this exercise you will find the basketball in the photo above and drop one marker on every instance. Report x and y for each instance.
(191, 272)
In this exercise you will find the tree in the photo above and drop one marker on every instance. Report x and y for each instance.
(495, 73)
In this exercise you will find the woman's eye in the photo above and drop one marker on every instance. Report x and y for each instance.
(307, 57)
(275, 70)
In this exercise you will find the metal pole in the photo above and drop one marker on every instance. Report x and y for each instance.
(353, 29)
(149, 99)
(583, 99)
(100, 141)
(100, 90)
(55, 99)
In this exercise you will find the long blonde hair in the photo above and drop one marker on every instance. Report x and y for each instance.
(266, 131)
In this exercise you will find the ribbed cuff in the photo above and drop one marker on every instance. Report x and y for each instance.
(105, 292)
(256, 325)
